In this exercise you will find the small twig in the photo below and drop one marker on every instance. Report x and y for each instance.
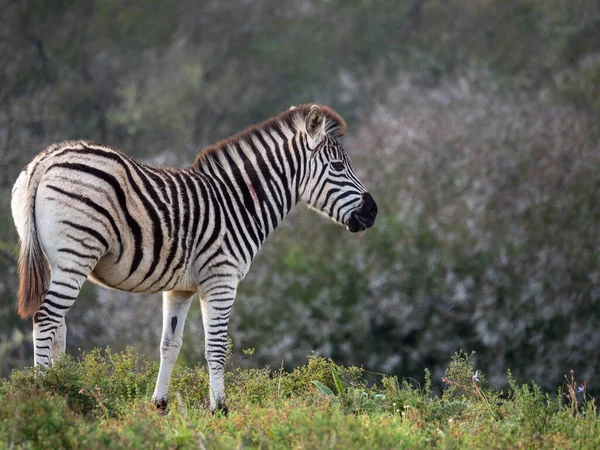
(279, 381)
(98, 396)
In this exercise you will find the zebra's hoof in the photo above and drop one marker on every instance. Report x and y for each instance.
(160, 405)
(221, 409)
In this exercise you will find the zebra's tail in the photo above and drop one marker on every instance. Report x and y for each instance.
(33, 268)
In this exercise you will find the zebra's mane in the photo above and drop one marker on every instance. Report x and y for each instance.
(293, 119)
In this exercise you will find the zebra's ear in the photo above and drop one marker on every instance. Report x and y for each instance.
(292, 108)
(314, 124)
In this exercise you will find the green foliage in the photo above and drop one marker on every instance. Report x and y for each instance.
(46, 410)
(122, 378)
(534, 409)
(319, 370)
(39, 419)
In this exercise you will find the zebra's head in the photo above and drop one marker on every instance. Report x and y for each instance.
(330, 186)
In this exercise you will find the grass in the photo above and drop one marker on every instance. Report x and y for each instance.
(101, 400)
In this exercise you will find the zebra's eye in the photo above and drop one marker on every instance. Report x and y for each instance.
(337, 166)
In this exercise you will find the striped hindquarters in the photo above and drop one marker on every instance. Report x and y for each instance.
(133, 224)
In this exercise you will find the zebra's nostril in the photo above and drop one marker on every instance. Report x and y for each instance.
(369, 206)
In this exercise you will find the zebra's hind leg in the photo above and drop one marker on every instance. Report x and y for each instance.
(59, 345)
(49, 329)
(175, 308)
(216, 303)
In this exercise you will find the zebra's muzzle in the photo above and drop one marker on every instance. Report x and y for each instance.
(363, 217)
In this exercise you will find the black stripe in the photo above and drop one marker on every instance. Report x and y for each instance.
(217, 228)
(277, 152)
(57, 295)
(217, 349)
(223, 263)
(222, 286)
(83, 244)
(289, 157)
(60, 283)
(73, 252)
(300, 151)
(222, 308)
(220, 300)
(56, 305)
(45, 309)
(73, 271)
(214, 275)
(192, 189)
(205, 202)
(191, 211)
(184, 196)
(88, 230)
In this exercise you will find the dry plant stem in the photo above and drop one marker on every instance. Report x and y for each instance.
(98, 396)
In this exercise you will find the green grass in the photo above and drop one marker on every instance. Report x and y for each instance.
(101, 400)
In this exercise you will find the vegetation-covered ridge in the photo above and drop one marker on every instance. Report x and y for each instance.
(101, 400)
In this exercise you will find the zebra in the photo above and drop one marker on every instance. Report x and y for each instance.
(86, 211)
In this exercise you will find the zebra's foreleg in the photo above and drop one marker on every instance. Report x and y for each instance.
(175, 308)
(216, 307)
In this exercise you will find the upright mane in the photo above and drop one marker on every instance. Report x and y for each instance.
(293, 118)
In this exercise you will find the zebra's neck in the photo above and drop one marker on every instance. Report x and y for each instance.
(260, 171)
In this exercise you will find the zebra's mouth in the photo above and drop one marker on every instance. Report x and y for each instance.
(364, 217)
(355, 225)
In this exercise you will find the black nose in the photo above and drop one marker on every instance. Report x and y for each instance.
(363, 217)
(369, 209)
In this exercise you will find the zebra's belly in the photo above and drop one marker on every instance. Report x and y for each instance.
(113, 275)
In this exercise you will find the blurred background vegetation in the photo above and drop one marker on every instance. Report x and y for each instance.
(475, 124)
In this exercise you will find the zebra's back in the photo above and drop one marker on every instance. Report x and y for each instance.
(133, 224)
